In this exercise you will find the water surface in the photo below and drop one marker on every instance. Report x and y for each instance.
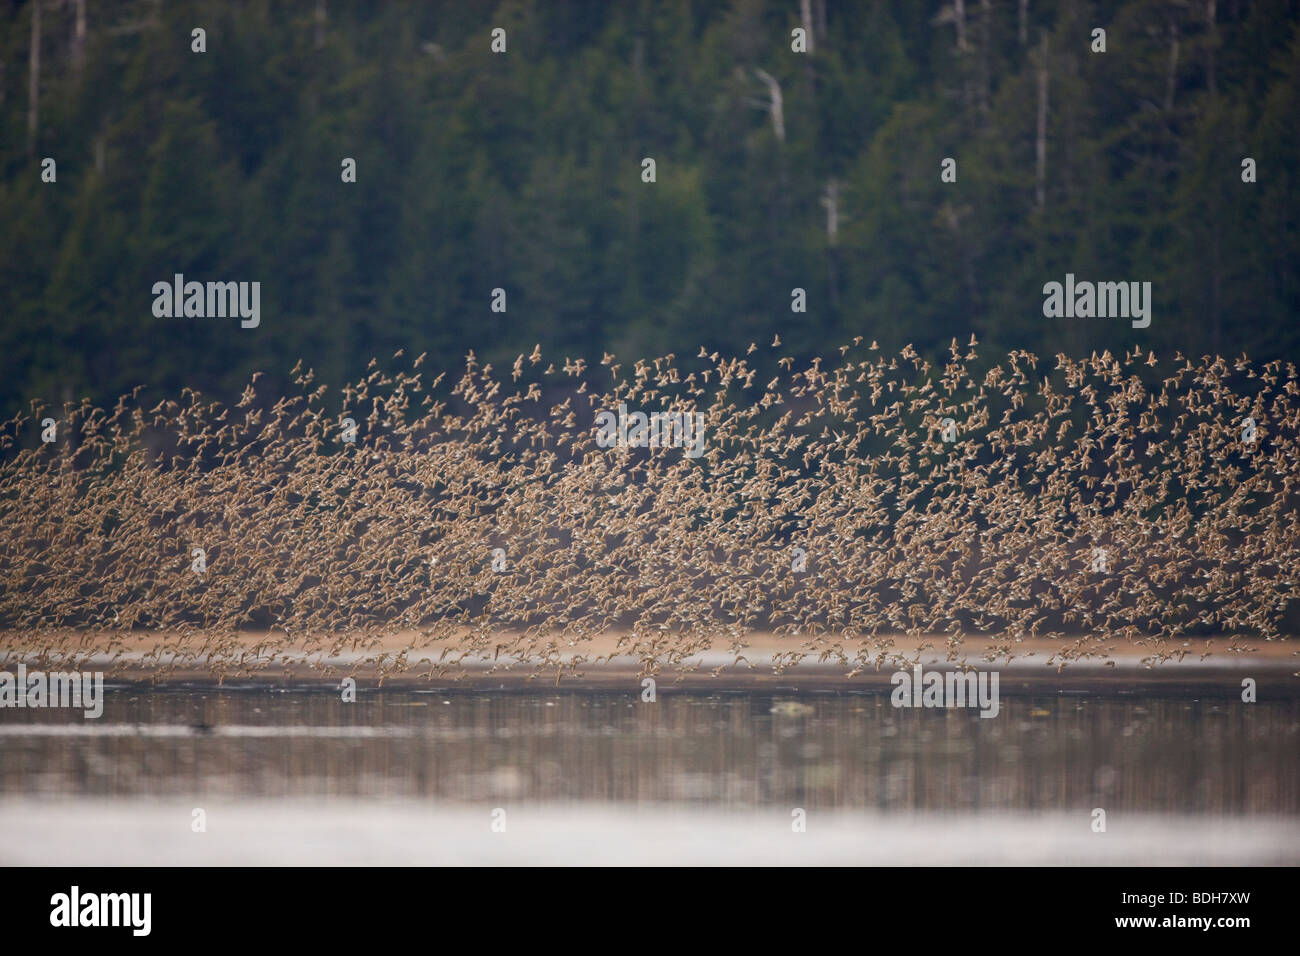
(1182, 778)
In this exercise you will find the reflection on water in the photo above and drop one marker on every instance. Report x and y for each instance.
(850, 752)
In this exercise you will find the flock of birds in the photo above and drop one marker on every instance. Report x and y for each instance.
(841, 505)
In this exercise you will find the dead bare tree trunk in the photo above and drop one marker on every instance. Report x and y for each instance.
(79, 36)
(955, 13)
(34, 80)
(1040, 150)
(805, 17)
(986, 32)
(321, 16)
(806, 20)
(1216, 291)
(776, 104)
(1022, 31)
(1171, 78)
(1212, 20)
(831, 200)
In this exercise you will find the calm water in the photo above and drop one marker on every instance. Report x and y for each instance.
(584, 776)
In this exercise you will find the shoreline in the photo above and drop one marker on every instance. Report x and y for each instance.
(758, 662)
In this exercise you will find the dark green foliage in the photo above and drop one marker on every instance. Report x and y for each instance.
(523, 171)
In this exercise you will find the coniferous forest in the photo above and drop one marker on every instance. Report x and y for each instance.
(644, 433)
(523, 170)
